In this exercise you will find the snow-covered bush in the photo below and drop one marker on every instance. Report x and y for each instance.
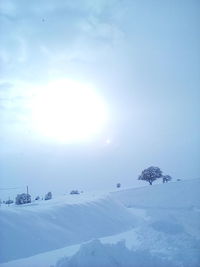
(118, 185)
(9, 202)
(22, 199)
(74, 192)
(166, 178)
(48, 196)
(150, 174)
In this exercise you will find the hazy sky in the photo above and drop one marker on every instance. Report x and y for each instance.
(143, 59)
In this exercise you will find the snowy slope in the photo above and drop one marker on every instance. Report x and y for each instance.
(161, 222)
(175, 195)
(32, 229)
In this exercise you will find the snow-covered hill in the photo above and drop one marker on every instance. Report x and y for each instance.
(31, 229)
(161, 222)
(175, 195)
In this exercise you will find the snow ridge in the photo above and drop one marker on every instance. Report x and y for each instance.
(26, 231)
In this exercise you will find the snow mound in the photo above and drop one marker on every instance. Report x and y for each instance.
(96, 254)
(29, 230)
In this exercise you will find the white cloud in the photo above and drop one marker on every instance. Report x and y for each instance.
(36, 34)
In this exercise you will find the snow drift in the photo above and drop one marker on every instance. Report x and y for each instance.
(96, 254)
(28, 230)
(157, 222)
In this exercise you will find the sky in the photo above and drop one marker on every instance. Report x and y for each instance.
(142, 61)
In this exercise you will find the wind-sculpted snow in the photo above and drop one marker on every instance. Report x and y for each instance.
(28, 230)
(96, 254)
(159, 222)
(170, 222)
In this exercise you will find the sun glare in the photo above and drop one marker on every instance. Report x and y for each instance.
(68, 111)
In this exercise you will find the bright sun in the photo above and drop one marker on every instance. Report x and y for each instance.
(68, 111)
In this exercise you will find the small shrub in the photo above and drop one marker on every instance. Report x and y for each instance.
(48, 196)
(166, 178)
(9, 201)
(74, 192)
(22, 199)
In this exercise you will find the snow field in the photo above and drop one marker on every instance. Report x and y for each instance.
(29, 230)
(155, 225)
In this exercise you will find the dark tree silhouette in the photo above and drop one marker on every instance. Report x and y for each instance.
(150, 174)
